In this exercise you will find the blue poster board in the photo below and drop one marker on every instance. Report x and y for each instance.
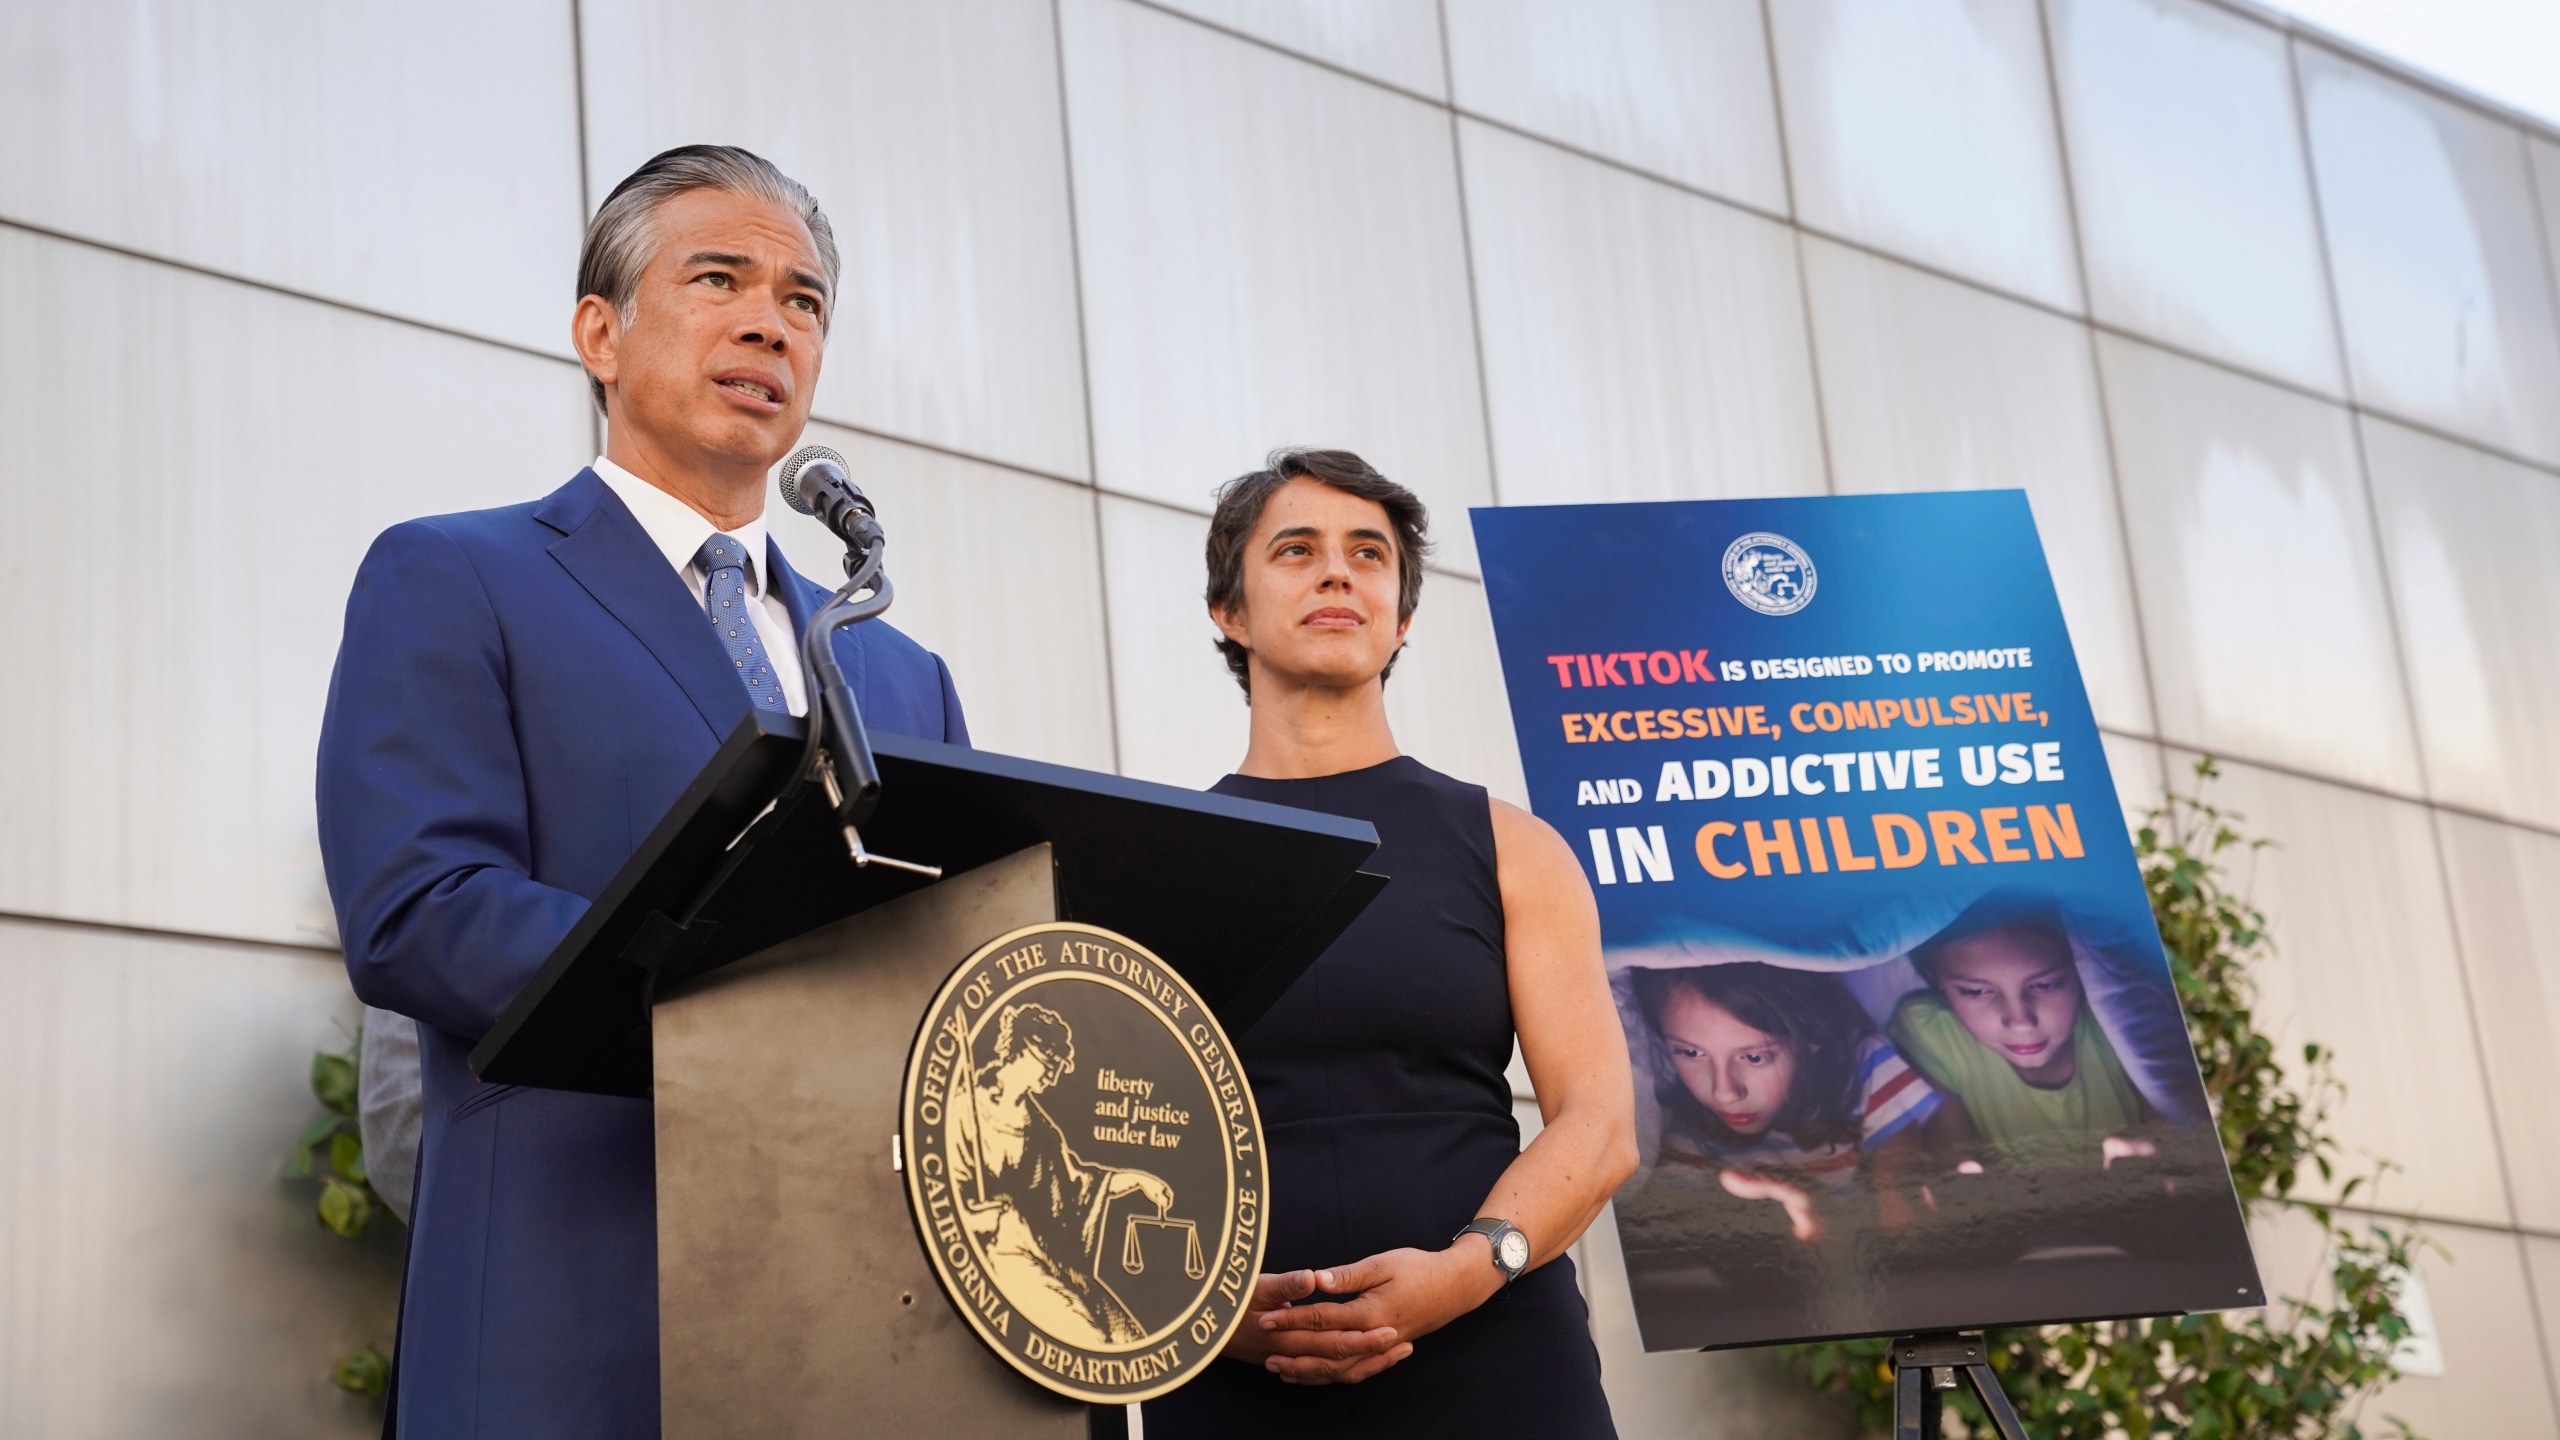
(1906, 1049)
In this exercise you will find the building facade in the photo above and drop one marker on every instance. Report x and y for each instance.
(2266, 328)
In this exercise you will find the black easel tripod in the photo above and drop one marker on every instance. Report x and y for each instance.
(1926, 1366)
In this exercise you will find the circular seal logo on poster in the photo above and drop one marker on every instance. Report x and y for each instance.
(1770, 573)
(1084, 1162)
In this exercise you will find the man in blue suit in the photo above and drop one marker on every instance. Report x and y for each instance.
(520, 694)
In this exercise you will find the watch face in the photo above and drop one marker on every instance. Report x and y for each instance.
(1514, 1251)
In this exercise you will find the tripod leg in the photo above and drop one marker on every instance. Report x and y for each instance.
(1912, 1403)
(1986, 1388)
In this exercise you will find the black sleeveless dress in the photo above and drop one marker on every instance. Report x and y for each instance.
(1380, 1078)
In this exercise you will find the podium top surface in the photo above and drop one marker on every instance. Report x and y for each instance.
(1238, 895)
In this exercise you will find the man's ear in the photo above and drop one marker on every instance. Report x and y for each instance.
(595, 331)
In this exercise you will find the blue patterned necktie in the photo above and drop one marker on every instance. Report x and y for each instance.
(724, 595)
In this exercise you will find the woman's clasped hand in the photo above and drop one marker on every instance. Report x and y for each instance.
(1397, 1297)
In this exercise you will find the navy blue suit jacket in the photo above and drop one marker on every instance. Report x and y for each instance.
(520, 694)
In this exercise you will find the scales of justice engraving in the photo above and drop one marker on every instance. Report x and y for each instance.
(1085, 1162)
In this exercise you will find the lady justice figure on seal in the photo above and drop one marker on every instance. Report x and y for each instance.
(1035, 1207)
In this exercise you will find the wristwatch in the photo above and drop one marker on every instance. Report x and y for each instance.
(1510, 1247)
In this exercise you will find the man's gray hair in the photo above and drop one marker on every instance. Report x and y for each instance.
(622, 240)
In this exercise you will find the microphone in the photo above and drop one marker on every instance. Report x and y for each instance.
(814, 482)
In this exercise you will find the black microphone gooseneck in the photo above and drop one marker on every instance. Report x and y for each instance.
(814, 483)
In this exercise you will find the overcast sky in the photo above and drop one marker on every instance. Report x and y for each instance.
(2504, 50)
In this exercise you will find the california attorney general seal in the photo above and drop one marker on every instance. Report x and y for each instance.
(1770, 573)
(1084, 1162)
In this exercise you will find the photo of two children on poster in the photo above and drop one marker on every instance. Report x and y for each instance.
(2008, 1099)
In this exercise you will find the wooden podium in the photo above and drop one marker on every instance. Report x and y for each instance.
(743, 971)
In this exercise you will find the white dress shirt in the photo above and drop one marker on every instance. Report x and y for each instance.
(678, 530)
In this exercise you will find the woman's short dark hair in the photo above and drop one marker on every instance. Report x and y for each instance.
(1813, 1013)
(1240, 503)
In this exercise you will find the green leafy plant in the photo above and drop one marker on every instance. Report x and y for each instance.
(347, 1201)
(2300, 1369)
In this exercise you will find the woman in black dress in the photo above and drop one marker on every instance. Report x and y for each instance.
(1415, 1282)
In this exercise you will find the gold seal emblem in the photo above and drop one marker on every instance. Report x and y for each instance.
(1084, 1162)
